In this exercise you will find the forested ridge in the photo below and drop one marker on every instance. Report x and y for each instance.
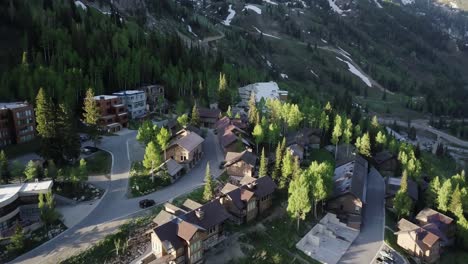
(64, 49)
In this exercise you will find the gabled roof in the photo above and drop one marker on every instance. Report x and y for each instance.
(189, 142)
(191, 204)
(262, 187)
(432, 216)
(383, 156)
(393, 185)
(186, 230)
(209, 113)
(246, 156)
(228, 187)
(167, 233)
(222, 123)
(423, 238)
(171, 166)
(228, 138)
(351, 178)
(163, 217)
(213, 212)
(303, 137)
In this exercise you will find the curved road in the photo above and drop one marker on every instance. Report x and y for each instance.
(115, 208)
(424, 125)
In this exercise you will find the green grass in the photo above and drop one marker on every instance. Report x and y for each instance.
(454, 256)
(390, 219)
(141, 183)
(100, 163)
(13, 151)
(195, 195)
(322, 155)
(438, 166)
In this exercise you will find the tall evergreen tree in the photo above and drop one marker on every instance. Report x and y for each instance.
(263, 170)
(456, 206)
(43, 113)
(432, 192)
(348, 134)
(278, 159)
(208, 191)
(195, 118)
(363, 145)
(287, 168)
(402, 202)
(163, 138)
(224, 96)
(4, 171)
(252, 114)
(258, 135)
(445, 193)
(68, 140)
(31, 171)
(91, 115)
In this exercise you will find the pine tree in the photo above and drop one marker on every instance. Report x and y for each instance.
(443, 200)
(224, 97)
(456, 206)
(263, 170)
(43, 112)
(67, 138)
(287, 168)
(381, 139)
(163, 139)
(298, 200)
(31, 171)
(208, 192)
(17, 242)
(402, 202)
(337, 132)
(195, 118)
(4, 171)
(432, 192)
(252, 114)
(278, 159)
(91, 115)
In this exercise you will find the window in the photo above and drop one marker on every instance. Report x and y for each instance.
(212, 230)
(196, 256)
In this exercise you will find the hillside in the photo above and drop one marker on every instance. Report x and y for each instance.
(413, 57)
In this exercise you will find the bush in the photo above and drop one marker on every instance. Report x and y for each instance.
(141, 183)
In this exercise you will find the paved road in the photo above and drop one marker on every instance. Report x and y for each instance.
(424, 125)
(369, 241)
(115, 208)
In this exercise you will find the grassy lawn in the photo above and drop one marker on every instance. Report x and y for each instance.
(390, 219)
(195, 195)
(321, 155)
(13, 151)
(141, 183)
(454, 256)
(100, 163)
(438, 166)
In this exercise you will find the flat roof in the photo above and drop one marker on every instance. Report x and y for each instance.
(105, 97)
(128, 92)
(12, 105)
(10, 190)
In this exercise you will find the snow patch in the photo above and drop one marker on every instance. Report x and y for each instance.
(190, 30)
(378, 4)
(284, 76)
(80, 4)
(335, 8)
(253, 8)
(270, 2)
(356, 72)
(267, 35)
(312, 71)
(230, 17)
(407, 2)
(324, 41)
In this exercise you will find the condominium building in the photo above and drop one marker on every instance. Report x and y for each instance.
(18, 205)
(135, 100)
(155, 98)
(113, 113)
(16, 123)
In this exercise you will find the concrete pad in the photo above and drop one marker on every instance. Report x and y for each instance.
(73, 214)
(328, 241)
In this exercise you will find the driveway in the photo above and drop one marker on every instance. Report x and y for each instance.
(115, 208)
(370, 240)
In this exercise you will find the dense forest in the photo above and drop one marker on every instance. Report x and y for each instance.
(65, 49)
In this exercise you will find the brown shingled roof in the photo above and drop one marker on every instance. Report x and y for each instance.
(186, 230)
(247, 156)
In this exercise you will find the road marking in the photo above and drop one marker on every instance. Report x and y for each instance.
(128, 151)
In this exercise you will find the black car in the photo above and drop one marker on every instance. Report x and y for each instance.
(146, 203)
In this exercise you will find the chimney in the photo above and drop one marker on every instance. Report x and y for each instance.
(199, 213)
(252, 185)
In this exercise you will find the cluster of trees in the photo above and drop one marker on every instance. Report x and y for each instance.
(450, 195)
(156, 140)
(308, 188)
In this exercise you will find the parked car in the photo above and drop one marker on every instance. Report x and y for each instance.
(88, 150)
(146, 203)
